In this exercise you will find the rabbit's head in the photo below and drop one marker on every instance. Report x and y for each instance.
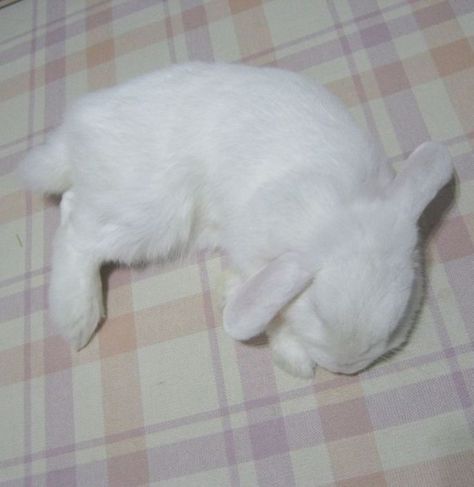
(349, 298)
(359, 304)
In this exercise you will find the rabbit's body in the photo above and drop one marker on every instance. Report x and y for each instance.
(258, 162)
(190, 153)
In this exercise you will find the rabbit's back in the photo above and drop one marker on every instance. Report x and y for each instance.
(214, 146)
(232, 120)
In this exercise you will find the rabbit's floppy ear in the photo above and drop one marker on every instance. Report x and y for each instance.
(429, 169)
(258, 300)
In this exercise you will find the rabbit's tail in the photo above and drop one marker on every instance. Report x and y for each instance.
(46, 168)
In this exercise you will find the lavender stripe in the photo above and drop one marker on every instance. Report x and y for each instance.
(92, 474)
(198, 42)
(363, 7)
(22, 140)
(31, 300)
(375, 35)
(267, 429)
(376, 40)
(462, 7)
(269, 438)
(323, 32)
(465, 166)
(402, 107)
(59, 408)
(303, 429)
(355, 76)
(311, 56)
(207, 452)
(51, 23)
(412, 402)
(458, 381)
(407, 120)
(275, 471)
(59, 405)
(61, 478)
(169, 33)
(15, 52)
(188, 4)
(75, 28)
(127, 8)
(188, 457)
(418, 361)
(170, 424)
(9, 163)
(268, 435)
(237, 408)
(460, 274)
(402, 25)
(196, 455)
(28, 244)
(55, 478)
(218, 373)
(24, 276)
(15, 482)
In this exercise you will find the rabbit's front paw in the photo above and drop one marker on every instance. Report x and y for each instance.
(78, 321)
(76, 306)
(290, 356)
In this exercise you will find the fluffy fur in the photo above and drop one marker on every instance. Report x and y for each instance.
(320, 233)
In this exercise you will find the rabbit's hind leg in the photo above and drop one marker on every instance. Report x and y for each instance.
(75, 293)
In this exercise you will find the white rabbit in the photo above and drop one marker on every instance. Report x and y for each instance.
(320, 233)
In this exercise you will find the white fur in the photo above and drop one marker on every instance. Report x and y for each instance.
(261, 163)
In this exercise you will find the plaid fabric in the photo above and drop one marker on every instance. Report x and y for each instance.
(161, 395)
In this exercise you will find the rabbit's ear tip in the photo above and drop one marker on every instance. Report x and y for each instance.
(429, 169)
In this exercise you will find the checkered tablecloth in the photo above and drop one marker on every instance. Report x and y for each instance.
(162, 396)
